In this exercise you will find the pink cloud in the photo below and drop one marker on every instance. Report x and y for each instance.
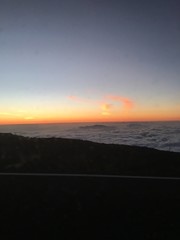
(77, 99)
(105, 105)
(128, 104)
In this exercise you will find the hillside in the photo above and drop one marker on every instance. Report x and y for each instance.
(57, 155)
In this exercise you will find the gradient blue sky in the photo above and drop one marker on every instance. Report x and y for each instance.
(82, 60)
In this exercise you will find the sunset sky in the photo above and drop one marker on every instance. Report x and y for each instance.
(89, 60)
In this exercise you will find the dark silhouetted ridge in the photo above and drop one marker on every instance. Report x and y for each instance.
(57, 155)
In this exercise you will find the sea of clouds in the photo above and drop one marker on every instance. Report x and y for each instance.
(159, 135)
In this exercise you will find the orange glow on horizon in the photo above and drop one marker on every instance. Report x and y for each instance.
(104, 112)
(102, 118)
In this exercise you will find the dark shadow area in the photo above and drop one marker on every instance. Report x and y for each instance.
(69, 207)
(92, 208)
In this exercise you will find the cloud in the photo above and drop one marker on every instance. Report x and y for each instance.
(104, 104)
(77, 99)
(128, 104)
(106, 108)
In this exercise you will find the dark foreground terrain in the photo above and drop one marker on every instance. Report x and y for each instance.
(59, 206)
(56, 155)
(66, 207)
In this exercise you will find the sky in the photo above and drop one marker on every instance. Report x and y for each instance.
(89, 61)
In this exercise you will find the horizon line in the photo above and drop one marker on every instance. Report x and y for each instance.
(78, 122)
